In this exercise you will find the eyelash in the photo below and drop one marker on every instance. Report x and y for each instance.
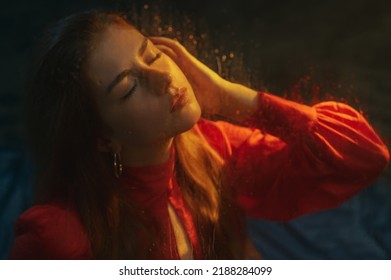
(131, 91)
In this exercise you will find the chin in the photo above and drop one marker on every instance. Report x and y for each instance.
(188, 117)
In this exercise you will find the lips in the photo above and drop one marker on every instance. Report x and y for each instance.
(179, 99)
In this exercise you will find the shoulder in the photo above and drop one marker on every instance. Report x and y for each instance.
(215, 135)
(50, 231)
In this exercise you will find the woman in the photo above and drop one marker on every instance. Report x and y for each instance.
(128, 169)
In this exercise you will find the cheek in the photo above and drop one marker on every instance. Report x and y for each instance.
(177, 72)
(170, 66)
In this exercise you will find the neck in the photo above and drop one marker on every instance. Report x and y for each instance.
(146, 155)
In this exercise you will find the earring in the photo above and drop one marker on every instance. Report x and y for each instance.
(117, 165)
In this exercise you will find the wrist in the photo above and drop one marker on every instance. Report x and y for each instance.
(237, 102)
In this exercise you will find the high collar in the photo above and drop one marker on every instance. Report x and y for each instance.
(150, 188)
(149, 180)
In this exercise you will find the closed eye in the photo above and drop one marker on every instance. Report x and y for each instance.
(130, 92)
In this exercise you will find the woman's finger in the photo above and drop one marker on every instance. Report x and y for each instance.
(172, 44)
(176, 47)
(168, 51)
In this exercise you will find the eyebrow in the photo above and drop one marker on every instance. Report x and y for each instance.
(126, 72)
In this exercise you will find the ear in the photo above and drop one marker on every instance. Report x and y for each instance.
(108, 145)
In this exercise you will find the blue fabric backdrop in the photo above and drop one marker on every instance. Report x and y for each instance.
(358, 229)
(15, 192)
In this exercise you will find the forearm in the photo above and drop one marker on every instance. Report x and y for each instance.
(332, 131)
(237, 102)
(241, 104)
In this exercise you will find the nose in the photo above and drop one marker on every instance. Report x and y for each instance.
(158, 80)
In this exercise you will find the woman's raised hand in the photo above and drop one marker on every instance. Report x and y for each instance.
(208, 86)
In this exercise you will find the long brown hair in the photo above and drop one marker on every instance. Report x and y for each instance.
(64, 125)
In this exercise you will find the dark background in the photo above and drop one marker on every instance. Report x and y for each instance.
(343, 47)
(304, 50)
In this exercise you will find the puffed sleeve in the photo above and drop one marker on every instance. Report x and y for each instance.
(294, 159)
(49, 232)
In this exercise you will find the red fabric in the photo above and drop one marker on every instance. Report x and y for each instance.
(152, 188)
(291, 160)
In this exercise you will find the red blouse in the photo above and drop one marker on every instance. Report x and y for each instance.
(291, 160)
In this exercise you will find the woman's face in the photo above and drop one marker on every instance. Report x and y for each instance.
(142, 95)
